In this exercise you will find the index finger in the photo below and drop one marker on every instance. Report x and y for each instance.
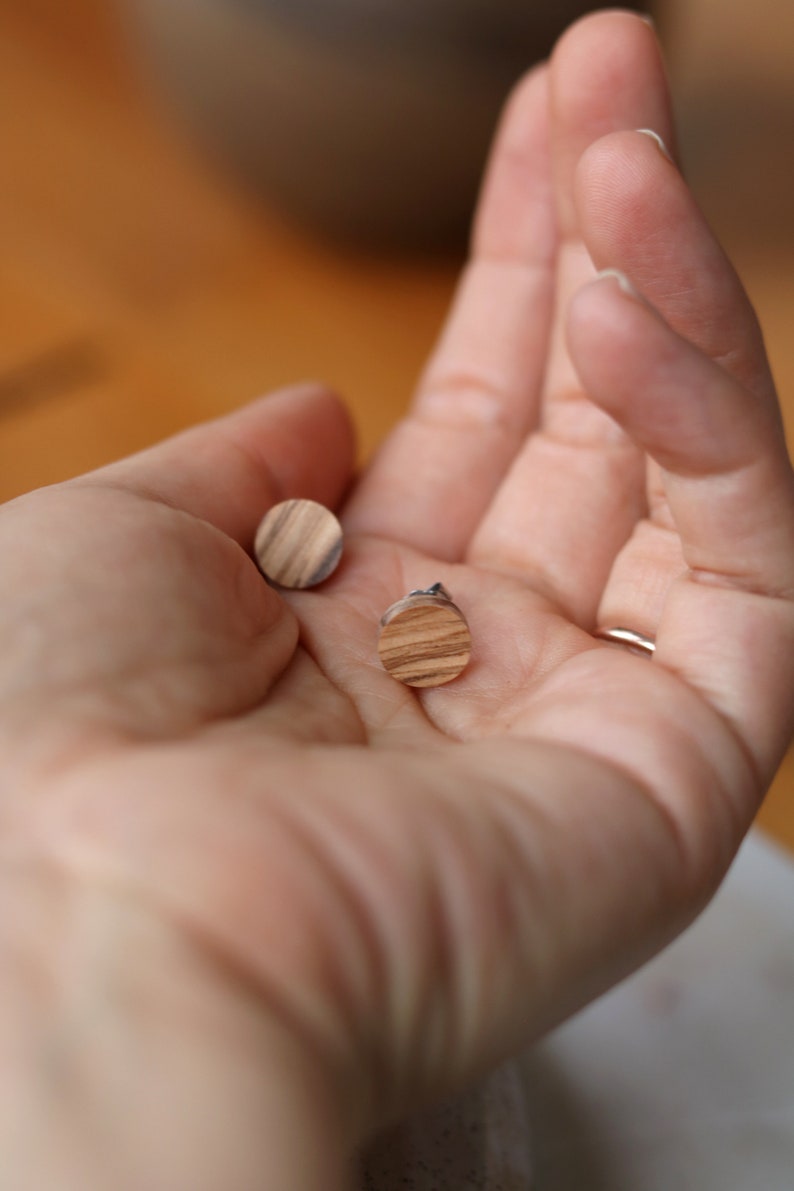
(436, 473)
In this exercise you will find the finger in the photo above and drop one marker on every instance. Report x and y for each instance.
(297, 442)
(638, 216)
(638, 213)
(576, 489)
(727, 623)
(437, 471)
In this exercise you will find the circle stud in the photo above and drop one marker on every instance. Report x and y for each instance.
(424, 639)
(298, 543)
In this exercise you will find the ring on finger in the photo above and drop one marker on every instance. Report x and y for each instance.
(629, 639)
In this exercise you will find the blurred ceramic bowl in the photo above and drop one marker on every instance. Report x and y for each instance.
(370, 118)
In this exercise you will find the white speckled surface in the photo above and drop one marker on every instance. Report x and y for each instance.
(681, 1079)
(478, 1141)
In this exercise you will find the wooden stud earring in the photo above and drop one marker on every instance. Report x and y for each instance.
(424, 638)
(298, 543)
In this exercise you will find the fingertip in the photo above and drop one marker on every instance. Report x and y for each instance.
(305, 436)
(624, 284)
(295, 442)
(678, 405)
(607, 73)
(515, 212)
(602, 314)
(635, 210)
(625, 354)
(657, 140)
(521, 101)
(606, 24)
(615, 178)
(303, 403)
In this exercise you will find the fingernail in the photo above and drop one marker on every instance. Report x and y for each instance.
(658, 140)
(646, 16)
(622, 280)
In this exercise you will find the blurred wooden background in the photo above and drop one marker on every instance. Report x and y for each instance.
(140, 291)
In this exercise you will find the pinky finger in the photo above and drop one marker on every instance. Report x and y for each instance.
(727, 623)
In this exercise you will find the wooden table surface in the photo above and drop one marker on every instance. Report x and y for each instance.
(140, 291)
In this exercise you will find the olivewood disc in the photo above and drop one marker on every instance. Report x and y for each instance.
(298, 543)
(424, 641)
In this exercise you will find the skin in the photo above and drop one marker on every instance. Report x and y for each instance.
(258, 898)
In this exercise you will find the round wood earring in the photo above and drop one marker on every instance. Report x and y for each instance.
(298, 543)
(424, 638)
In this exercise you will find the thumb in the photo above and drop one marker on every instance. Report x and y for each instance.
(297, 442)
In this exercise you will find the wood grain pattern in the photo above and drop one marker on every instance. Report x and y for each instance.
(424, 641)
(298, 543)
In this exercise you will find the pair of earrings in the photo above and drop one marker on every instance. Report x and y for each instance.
(423, 639)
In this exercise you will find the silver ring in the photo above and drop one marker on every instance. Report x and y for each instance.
(636, 642)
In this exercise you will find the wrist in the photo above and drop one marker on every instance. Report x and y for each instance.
(132, 1060)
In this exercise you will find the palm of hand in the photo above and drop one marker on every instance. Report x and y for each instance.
(558, 811)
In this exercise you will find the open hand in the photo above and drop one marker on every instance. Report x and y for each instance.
(266, 897)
